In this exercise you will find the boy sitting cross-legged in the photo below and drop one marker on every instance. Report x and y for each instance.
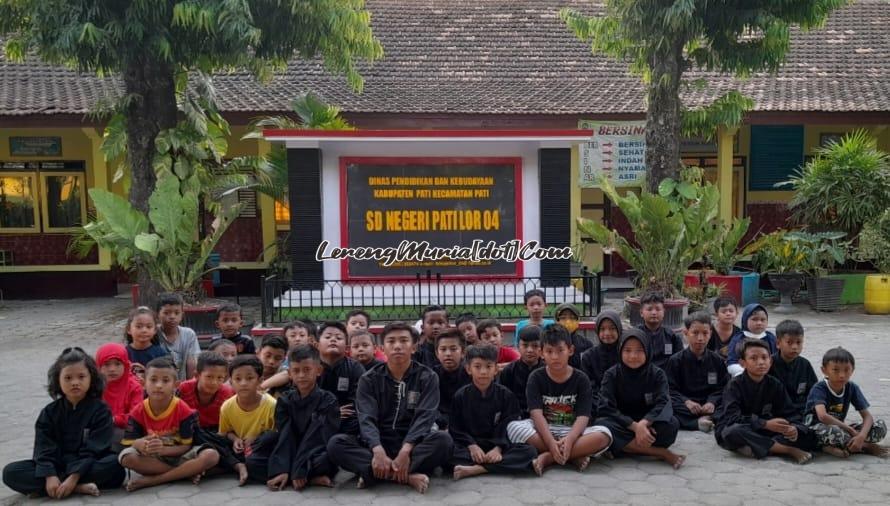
(515, 375)
(397, 406)
(827, 408)
(697, 377)
(306, 417)
(159, 434)
(478, 422)
(248, 415)
(753, 419)
(559, 402)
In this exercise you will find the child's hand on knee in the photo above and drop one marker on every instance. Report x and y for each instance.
(52, 486)
(238, 445)
(494, 456)
(476, 454)
(278, 482)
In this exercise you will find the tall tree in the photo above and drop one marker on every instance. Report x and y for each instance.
(154, 45)
(662, 39)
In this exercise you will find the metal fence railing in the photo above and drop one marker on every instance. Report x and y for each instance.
(284, 300)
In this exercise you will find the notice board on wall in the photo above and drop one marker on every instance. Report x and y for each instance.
(442, 202)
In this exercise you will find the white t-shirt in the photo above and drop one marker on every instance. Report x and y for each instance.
(185, 347)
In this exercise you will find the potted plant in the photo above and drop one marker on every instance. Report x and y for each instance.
(164, 241)
(822, 252)
(874, 246)
(722, 257)
(671, 231)
(782, 260)
(845, 186)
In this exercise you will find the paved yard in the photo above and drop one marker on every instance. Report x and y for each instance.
(32, 333)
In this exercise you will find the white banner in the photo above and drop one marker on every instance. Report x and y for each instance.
(617, 151)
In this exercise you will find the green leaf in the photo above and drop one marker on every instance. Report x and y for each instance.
(687, 190)
(666, 187)
(118, 213)
(147, 243)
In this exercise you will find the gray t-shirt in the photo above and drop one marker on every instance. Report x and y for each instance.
(185, 347)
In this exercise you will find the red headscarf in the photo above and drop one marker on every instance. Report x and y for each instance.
(124, 393)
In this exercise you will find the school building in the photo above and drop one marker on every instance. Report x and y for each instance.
(479, 66)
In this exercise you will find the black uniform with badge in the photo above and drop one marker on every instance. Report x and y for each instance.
(515, 377)
(663, 343)
(798, 378)
(449, 383)
(699, 379)
(392, 412)
(341, 379)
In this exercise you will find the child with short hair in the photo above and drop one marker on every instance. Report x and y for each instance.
(753, 418)
(828, 404)
(535, 304)
(450, 346)
(181, 342)
(123, 392)
(515, 375)
(72, 436)
(298, 333)
(340, 374)
(569, 317)
(480, 413)
(559, 402)
(141, 336)
(159, 435)
(229, 322)
(249, 413)
(724, 327)
(307, 417)
(363, 348)
(207, 391)
(490, 333)
(225, 348)
(397, 405)
(635, 403)
(466, 323)
(272, 352)
(754, 322)
(599, 359)
(434, 319)
(357, 319)
(663, 342)
(696, 376)
(793, 371)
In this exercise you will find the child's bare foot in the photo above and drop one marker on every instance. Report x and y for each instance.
(361, 484)
(467, 471)
(136, 483)
(705, 424)
(542, 461)
(801, 457)
(322, 481)
(419, 482)
(582, 463)
(675, 460)
(876, 450)
(242, 473)
(87, 489)
(837, 452)
(197, 478)
(745, 451)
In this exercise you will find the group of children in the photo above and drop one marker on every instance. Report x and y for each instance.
(396, 407)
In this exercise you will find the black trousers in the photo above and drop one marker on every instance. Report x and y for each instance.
(22, 477)
(685, 418)
(760, 441)
(258, 461)
(227, 456)
(665, 434)
(352, 455)
(516, 458)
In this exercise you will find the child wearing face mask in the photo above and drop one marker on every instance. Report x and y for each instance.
(569, 317)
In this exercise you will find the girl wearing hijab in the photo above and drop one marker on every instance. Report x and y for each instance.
(599, 359)
(635, 405)
(122, 389)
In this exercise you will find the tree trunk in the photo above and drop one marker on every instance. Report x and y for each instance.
(152, 109)
(663, 118)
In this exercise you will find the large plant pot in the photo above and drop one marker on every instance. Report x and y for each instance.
(825, 293)
(206, 285)
(740, 286)
(674, 312)
(786, 284)
(877, 294)
(854, 286)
